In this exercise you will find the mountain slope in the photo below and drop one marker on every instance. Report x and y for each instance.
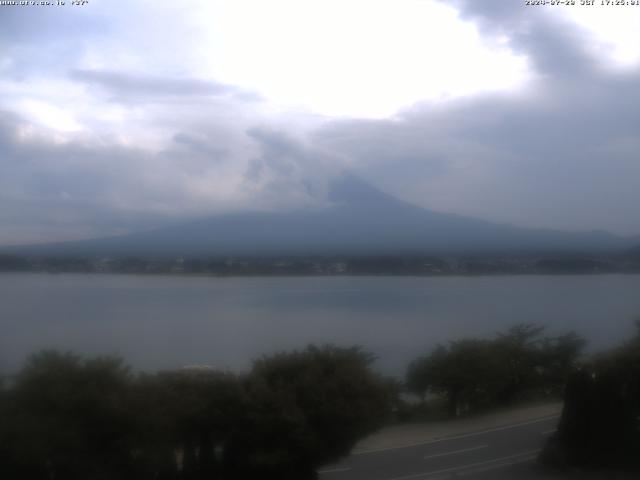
(360, 220)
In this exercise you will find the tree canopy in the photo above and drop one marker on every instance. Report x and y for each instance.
(477, 373)
(67, 418)
(600, 423)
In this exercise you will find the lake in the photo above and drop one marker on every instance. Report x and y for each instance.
(157, 322)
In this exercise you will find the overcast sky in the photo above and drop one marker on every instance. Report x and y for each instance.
(126, 114)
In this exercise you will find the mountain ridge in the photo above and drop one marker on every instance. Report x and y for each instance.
(361, 220)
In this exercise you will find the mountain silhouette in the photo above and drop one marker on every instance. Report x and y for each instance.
(360, 220)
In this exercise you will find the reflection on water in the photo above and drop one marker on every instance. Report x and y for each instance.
(163, 322)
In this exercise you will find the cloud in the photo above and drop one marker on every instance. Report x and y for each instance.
(554, 45)
(199, 145)
(85, 187)
(560, 152)
(561, 155)
(45, 41)
(122, 86)
(127, 84)
(289, 172)
(111, 125)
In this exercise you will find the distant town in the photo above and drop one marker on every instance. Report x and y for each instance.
(628, 262)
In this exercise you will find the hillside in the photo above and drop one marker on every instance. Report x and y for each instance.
(360, 220)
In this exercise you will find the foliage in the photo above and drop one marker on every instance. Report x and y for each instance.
(309, 408)
(473, 374)
(600, 423)
(184, 418)
(67, 418)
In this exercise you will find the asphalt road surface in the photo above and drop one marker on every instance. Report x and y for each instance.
(504, 452)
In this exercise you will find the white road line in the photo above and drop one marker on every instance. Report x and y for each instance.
(510, 459)
(497, 429)
(507, 463)
(456, 437)
(334, 470)
(455, 451)
(548, 432)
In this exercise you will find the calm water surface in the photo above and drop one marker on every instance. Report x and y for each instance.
(164, 322)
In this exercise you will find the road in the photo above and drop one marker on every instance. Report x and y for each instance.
(503, 452)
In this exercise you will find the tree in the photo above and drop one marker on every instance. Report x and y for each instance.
(519, 352)
(68, 419)
(307, 408)
(600, 422)
(473, 373)
(185, 418)
(5, 423)
(559, 359)
(463, 372)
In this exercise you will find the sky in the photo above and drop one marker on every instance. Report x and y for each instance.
(117, 116)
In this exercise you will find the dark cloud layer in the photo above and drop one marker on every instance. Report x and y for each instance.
(127, 84)
(122, 86)
(552, 45)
